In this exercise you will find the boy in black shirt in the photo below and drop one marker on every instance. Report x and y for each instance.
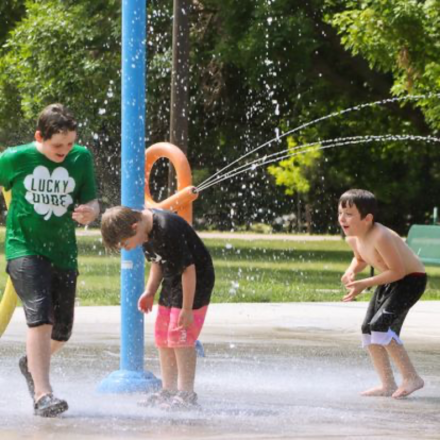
(183, 265)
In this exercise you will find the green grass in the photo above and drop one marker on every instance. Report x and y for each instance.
(246, 271)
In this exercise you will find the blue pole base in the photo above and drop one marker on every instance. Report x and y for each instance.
(199, 349)
(125, 381)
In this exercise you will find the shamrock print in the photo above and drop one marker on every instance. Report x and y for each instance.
(49, 193)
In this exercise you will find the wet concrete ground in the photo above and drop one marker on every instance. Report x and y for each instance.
(271, 371)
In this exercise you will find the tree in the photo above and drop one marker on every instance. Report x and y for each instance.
(266, 67)
(292, 173)
(65, 52)
(399, 37)
(258, 69)
(11, 11)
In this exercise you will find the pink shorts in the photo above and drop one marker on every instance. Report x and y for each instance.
(166, 333)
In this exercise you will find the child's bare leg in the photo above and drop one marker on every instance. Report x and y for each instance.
(38, 347)
(381, 363)
(411, 381)
(186, 364)
(56, 346)
(168, 368)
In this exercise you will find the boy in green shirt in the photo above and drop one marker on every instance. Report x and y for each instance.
(53, 185)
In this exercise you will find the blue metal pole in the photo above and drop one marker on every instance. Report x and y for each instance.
(131, 376)
(132, 175)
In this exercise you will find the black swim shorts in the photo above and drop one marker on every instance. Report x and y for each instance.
(391, 302)
(47, 293)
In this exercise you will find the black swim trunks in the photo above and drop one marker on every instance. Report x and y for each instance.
(390, 305)
(47, 293)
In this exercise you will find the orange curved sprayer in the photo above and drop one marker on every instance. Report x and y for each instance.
(181, 201)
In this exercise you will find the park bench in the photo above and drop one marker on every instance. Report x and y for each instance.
(424, 240)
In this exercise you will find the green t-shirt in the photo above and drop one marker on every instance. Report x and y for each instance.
(44, 195)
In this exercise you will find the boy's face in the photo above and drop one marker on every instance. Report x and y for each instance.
(351, 222)
(57, 147)
(135, 240)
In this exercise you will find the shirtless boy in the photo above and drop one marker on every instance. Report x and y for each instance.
(401, 281)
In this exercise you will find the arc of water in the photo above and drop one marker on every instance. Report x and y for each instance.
(316, 121)
(346, 140)
(279, 153)
(368, 139)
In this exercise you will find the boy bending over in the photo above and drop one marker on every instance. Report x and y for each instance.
(183, 265)
(400, 283)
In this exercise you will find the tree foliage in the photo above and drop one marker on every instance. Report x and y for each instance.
(259, 69)
(293, 172)
(400, 37)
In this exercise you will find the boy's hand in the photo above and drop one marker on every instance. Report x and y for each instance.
(186, 318)
(354, 289)
(145, 303)
(347, 278)
(84, 214)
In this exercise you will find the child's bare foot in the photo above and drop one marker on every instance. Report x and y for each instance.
(380, 391)
(408, 387)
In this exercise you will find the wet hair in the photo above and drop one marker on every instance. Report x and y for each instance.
(364, 200)
(117, 225)
(54, 119)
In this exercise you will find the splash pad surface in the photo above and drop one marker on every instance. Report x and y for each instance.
(272, 371)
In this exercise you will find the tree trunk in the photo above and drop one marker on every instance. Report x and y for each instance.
(179, 82)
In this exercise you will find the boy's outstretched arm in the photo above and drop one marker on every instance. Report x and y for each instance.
(146, 300)
(357, 264)
(348, 279)
(189, 290)
(386, 248)
(86, 213)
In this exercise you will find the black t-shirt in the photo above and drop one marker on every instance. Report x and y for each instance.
(174, 245)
